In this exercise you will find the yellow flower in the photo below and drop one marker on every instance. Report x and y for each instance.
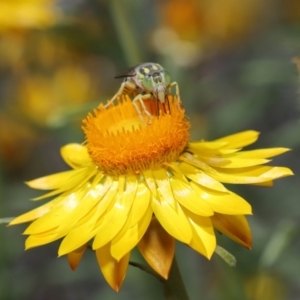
(70, 86)
(27, 14)
(136, 183)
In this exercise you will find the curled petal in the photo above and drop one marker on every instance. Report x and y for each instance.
(235, 227)
(113, 271)
(158, 247)
(75, 155)
(75, 256)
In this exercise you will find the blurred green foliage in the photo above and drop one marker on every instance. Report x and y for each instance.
(233, 62)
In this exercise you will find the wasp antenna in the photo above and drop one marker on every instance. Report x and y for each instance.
(124, 75)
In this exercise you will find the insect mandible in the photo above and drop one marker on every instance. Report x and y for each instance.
(150, 81)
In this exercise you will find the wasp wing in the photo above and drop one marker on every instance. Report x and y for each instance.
(131, 72)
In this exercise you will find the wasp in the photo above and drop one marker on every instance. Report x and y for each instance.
(146, 81)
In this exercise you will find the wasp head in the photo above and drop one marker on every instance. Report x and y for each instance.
(156, 83)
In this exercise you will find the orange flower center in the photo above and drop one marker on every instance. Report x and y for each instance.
(119, 141)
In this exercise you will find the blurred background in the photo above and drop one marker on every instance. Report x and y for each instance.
(237, 67)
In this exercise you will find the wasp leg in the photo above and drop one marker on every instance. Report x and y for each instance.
(141, 99)
(176, 88)
(177, 92)
(126, 86)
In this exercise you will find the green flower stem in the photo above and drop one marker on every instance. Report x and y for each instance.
(125, 34)
(174, 288)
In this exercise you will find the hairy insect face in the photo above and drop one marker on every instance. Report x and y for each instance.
(152, 78)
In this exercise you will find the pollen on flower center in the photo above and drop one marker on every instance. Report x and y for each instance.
(119, 141)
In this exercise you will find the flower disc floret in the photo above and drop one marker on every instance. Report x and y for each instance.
(120, 142)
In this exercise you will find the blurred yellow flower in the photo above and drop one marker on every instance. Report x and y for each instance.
(41, 98)
(16, 14)
(16, 142)
(266, 286)
(192, 27)
(136, 184)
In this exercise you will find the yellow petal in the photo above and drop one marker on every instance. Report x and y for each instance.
(251, 175)
(174, 221)
(206, 145)
(128, 238)
(75, 155)
(226, 203)
(34, 214)
(140, 204)
(114, 219)
(41, 239)
(235, 162)
(89, 202)
(177, 173)
(203, 240)
(194, 161)
(86, 228)
(235, 227)
(201, 178)
(232, 142)
(75, 256)
(57, 180)
(158, 247)
(113, 271)
(76, 239)
(239, 140)
(188, 198)
(149, 178)
(64, 205)
(136, 224)
(164, 188)
(79, 179)
(259, 153)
